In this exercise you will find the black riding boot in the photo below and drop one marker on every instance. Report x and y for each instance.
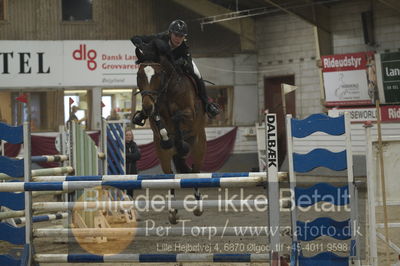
(139, 118)
(212, 109)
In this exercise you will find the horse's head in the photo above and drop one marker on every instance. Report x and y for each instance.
(154, 74)
(150, 79)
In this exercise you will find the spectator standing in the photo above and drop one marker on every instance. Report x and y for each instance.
(132, 155)
(73, 117)
(114, 115)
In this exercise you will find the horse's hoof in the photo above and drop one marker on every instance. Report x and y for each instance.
(173, 217)
(198, 212)
(166, 144)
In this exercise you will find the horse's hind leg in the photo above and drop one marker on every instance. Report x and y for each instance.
(165, 161)
(173, 213)
(199, 149)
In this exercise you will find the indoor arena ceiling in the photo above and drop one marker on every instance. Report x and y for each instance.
(289, 4)
(238, 16)
(223, 11)
(250, 4)
(238, 9)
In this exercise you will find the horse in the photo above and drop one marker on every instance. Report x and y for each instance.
(177, 118)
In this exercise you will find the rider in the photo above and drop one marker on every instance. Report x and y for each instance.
(175, 37)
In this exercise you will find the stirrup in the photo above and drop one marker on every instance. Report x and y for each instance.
(212, 110)
(139, 118)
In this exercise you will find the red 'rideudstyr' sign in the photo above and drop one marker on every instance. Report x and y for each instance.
(390, 113)
(344, 62)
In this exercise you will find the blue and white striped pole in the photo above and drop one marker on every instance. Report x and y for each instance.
(128, 233)
(185, 257)
(134, 184)
(49, 158)
(222, 205)
(281, 175)
(42, 218)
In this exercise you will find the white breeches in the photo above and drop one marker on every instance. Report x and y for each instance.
(196, 70)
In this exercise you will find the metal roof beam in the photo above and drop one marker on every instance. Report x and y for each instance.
(313, 12)
(244, 27)
(395, 4)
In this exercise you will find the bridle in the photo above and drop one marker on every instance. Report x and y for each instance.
(155, 95)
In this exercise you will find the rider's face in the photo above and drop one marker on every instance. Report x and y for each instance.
(176, 39)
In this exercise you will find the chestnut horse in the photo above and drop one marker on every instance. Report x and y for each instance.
(176, 116)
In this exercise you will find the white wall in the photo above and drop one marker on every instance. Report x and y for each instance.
(245, 104)
(239, 71)
(347, 27)
(217, 70)
(286, 46)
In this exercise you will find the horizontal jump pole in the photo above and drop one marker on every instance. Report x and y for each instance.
(52, 171)
(11, 214)
(17, 214)
(153, 231)
(42, 193)
(42, 218)
(49, 158)
(133, 184)
(281, 175)
(43, 172)
(156, 205)
(148, 258)
(390, 225)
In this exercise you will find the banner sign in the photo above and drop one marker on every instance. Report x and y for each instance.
(356, 114)
(390, 67)
(349, 79)
(389, 113)
(39, 64)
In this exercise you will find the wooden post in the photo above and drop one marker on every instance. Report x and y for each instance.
(373, 250)
(272, 191)
(28, 194)
(383, 185)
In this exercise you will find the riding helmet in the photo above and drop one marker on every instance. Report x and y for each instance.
(178, 27)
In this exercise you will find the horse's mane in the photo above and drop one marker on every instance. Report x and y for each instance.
(167, 65)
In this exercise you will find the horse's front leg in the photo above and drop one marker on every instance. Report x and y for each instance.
(165, 141)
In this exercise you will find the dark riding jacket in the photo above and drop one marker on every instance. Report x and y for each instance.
(132, 153)
(180, 55)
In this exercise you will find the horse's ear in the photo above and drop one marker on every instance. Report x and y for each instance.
(146, 53)
(139, 55)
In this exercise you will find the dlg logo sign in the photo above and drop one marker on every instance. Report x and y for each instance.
(86, 55)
